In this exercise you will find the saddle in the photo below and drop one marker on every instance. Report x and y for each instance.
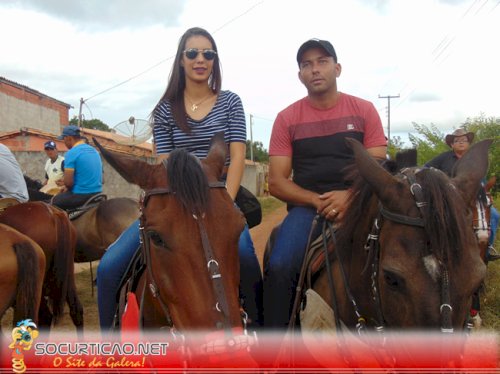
(5, 202)
(315, 259)
(92, 202)
(128, 284)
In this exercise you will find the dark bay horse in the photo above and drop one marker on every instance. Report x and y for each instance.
(406, 255)
(50, 228)
(190, 230)
(22, 268)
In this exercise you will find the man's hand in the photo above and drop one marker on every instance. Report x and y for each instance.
(333, 204)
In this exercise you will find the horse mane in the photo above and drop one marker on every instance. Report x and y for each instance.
(188, 181)
(444, 216)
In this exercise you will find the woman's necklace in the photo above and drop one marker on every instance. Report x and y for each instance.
(194, 106)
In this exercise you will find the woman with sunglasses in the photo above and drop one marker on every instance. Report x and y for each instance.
(192, 109)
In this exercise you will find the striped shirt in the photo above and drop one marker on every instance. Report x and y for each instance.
(227, 115)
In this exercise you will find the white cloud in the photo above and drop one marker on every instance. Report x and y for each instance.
(441, 57)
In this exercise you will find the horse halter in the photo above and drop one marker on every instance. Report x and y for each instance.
(445, 308)
(212, 264)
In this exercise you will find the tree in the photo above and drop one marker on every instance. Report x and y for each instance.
(94, 124)
(259, 153)
(429, 143)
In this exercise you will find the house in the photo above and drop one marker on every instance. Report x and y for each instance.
(21, 106)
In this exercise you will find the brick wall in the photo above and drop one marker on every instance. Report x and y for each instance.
(23, 107)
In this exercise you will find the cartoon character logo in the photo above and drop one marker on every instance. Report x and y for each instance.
(23, 336)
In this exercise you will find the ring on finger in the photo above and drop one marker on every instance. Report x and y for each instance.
(333, 211)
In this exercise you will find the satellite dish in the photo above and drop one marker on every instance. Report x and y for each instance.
(133, 131)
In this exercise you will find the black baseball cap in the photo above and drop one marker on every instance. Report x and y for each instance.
(316, 43)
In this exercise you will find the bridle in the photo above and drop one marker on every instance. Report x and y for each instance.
(221, 301)
(373, 245)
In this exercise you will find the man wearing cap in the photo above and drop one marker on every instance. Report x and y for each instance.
(82, 171)
(308, 142)
(459, 142)
(12, 183)
(54, 167)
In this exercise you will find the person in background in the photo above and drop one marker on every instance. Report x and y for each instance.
(82, 171)
(54, 169)
(308, 142)
(459, 141)
(12, 183)
(192, 110)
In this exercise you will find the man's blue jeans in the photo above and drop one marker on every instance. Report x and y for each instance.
(115, 261)
(493, 224)
(282, 271)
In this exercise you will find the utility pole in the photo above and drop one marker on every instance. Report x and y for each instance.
(388, 97)
(251, 137)
(80, 113)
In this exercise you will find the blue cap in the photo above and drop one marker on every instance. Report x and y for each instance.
(70, 130)
(49, 145)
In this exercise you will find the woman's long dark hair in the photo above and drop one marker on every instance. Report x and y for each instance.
(177, 81)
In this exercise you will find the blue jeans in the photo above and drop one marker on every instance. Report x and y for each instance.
(493, 224)
(115, 261)
(282, 272)
(110, 271)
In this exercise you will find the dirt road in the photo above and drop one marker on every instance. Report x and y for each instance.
(261, 233)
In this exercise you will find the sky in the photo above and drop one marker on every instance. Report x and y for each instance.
(440, 56)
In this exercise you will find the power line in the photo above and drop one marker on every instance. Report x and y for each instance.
(170, 57)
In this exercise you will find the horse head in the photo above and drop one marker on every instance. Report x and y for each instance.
(427, 262)
(190, 230)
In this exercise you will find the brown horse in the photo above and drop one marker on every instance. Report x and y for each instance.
(50, 227)
(420, 264)
(190, 229)
(481, 218)
(21, 274)
(100, 226)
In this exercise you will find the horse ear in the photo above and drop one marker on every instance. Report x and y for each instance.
(217, 154)
(471, 168)
(383, 183)
(131, 169)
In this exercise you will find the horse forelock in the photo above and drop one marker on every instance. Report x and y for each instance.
(444, 215)
(188, 181)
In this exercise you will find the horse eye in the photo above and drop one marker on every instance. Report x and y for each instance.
(156, 239)
(393, 280)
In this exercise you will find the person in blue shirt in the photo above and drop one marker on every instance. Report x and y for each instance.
(82, 171)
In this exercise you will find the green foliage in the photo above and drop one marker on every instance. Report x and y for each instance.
(94, 124)
(395, 146)
(259, 153)
(269, 204)
(429, 141)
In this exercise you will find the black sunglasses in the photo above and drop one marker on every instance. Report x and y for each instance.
(192, 53)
